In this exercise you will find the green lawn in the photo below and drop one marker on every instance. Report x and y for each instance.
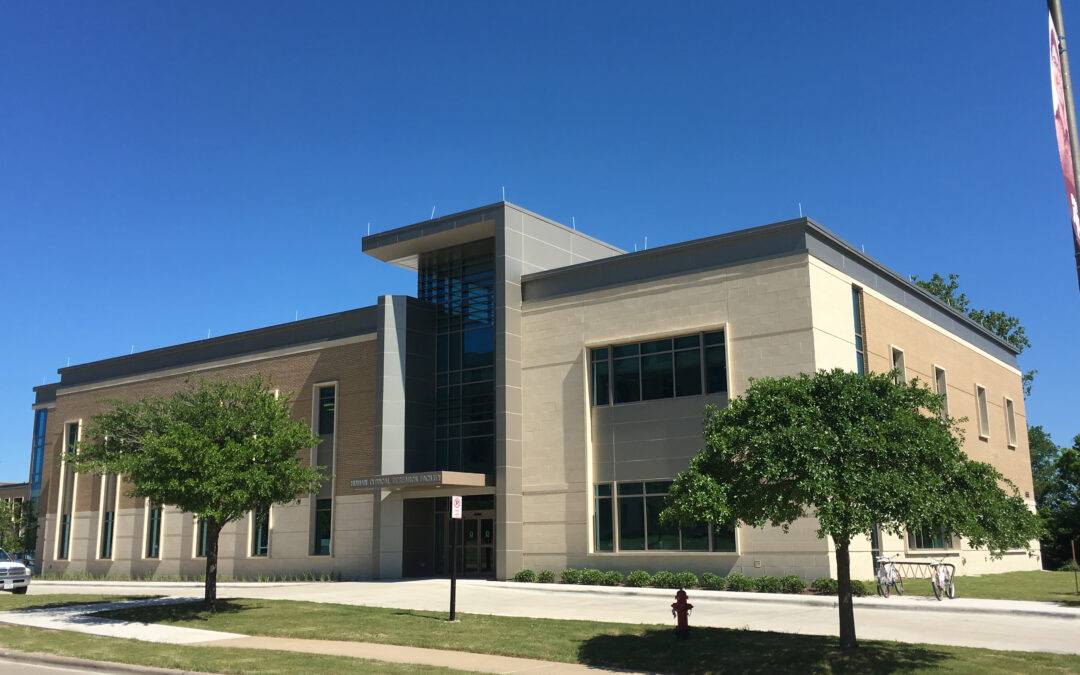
(1044, 586)
(612, 645)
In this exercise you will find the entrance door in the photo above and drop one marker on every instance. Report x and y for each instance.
(476, 551)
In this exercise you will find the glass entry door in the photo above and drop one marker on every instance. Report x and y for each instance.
(476, 548)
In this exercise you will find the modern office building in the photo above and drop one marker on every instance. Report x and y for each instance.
(558, 383)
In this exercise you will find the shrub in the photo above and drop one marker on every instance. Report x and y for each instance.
(612, 578)
(1069, 566)
(792, 584)
(768, 584)
(592, 577)
(739, 582)
(664, 579)
(713, 582)
(571, 576)
(638, 579)
(546, 577)
(859, 588)
(686, 579)
(525, 575)
(824, 586)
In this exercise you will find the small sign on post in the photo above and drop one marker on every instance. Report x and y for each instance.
(455, 515)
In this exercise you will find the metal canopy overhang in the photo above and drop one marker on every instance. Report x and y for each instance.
(423, 479)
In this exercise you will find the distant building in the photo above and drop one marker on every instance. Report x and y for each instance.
(558, 384)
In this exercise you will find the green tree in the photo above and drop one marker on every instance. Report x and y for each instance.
(216, 449)
(1003, 325)
(1044, 453)
(15, 519)
(1060, 508)
(852, 451)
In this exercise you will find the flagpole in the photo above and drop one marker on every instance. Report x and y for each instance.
(1070, 110)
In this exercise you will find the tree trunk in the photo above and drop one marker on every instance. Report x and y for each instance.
(843, 591)
(213, 529)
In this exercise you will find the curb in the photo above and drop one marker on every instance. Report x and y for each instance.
(71, 661)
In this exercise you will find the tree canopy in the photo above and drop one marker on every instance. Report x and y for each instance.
(1044, 453)
(16, 519)
(1005, 326)
(215, 449)
(1060, 507)
(855, 452)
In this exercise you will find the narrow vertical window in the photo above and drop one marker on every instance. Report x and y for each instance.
(325, 398)
(715, 363)
(603, 529)
(108, 514)
(898, 365)
(260, 531)
(860, 330)
(1010, 422)
(153, 531)
(600, 368)
(984, 415)
(67, 492)
(201, 532)
(941, 387)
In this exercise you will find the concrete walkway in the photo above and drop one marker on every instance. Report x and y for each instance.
(992, 624)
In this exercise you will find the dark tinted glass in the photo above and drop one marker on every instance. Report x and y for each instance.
(715, 338)
(723, 538)
(605, 533)
(629, 489)
(326, 410)
(479, 348)
(599, 354)
(600, 383)
(624, 350)
(631, 524)
(688, 342)
(695, 538)
(661, 537)
(656, 377)
(715, 370)
(658, 487)
(688, 373)
(603, 490)
(656, 346)
(626, 384)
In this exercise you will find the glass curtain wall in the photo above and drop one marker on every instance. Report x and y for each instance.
(460, 281)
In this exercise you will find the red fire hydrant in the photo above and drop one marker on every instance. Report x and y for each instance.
(680, 609)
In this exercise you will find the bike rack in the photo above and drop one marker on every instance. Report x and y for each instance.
(920, 570)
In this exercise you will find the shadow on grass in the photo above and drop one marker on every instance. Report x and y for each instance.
(71, 603)
(716, 650)
(418, 615)
(1067, 599)
(165, 613)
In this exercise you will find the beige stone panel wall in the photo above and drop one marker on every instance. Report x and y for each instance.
(766, 310)
(834, 319)
(352, 366)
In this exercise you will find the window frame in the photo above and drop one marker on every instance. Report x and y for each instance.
(1010, 423)
(645, 494)
(943, 389)
(911, 540)
(858, 311)
(982, 412)
(64, 522)
(316, 396)
(102, 520)
(149, 508)
(896, 357)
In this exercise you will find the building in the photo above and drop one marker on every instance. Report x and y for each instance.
(558, 384)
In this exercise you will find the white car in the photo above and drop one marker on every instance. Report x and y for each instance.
(14, 576)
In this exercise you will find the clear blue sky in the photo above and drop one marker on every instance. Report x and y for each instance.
(172, 168)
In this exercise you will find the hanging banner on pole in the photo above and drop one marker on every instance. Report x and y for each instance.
(1061, 124)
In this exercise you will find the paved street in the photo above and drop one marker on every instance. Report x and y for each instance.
(995, 624)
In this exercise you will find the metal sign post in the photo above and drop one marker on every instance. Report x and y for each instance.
(455, 516)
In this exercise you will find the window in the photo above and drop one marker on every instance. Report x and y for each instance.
(1010, 422)
(941, 387)
(67, 492)
(984, 415)
(325, 398)
(657, 369)
(260, 531)
(202, 530)
(898, 364)
(108, 514)
(929, 538)
(639, 504)
(322, 527)
(153, 531)
(860, 330)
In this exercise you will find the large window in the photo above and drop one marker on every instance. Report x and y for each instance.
(325, 397)
(666, 368)
(260, 531)
(860, 330)
(638, 505)
(67, 492)
(153, 531)
(930, 538)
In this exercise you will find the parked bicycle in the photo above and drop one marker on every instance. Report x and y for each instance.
(888, 576)
(941, 579)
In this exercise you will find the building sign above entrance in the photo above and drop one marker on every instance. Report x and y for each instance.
(423, 479)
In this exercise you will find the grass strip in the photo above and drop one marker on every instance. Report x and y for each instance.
(1044, 586)
(200, 659)
(610, 645)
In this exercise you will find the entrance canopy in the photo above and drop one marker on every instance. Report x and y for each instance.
(423, 479)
